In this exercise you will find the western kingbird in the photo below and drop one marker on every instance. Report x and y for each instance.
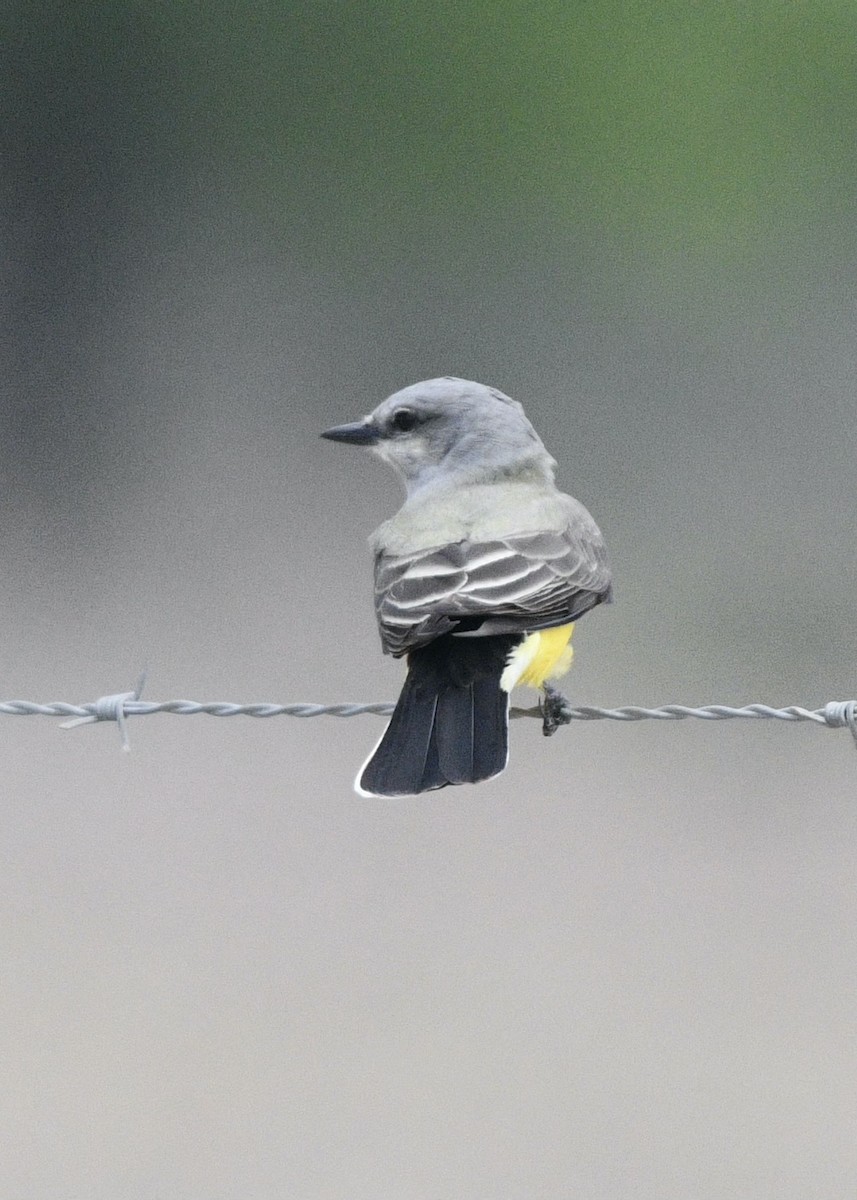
(479, 578)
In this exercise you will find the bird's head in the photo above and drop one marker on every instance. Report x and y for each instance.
(449, 431)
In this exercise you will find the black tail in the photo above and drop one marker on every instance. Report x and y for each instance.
(451, 724)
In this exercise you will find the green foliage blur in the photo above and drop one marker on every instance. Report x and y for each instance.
(721, 131)
(661, 121)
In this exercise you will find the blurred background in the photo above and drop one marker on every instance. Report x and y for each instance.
(625, 968)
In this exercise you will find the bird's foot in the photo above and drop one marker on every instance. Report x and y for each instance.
(554, 708)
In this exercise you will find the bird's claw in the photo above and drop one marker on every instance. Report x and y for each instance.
(554, 708)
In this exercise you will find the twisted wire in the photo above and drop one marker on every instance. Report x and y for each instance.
(118, 707)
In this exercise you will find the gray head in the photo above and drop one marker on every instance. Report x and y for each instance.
(450, 431)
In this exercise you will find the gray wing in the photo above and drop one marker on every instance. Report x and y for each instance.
(512, 584)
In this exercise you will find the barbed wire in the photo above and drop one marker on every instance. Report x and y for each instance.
(836, 714)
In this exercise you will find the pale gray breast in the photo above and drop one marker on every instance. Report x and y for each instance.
(518, 583)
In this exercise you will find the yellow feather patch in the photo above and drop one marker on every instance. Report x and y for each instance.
(544, 655)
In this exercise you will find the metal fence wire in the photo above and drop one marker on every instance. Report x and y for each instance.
(122, 706)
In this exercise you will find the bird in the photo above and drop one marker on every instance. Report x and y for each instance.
(479, 578)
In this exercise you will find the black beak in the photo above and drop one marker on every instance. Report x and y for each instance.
(358, 433)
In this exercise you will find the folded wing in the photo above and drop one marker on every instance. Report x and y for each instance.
(519, 583)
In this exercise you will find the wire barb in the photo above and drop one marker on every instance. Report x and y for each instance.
(836, 714)
(840, 714)
(110, 708)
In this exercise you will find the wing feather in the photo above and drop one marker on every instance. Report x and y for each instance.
(518, 583)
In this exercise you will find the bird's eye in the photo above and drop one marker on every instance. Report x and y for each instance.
(403, 420)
